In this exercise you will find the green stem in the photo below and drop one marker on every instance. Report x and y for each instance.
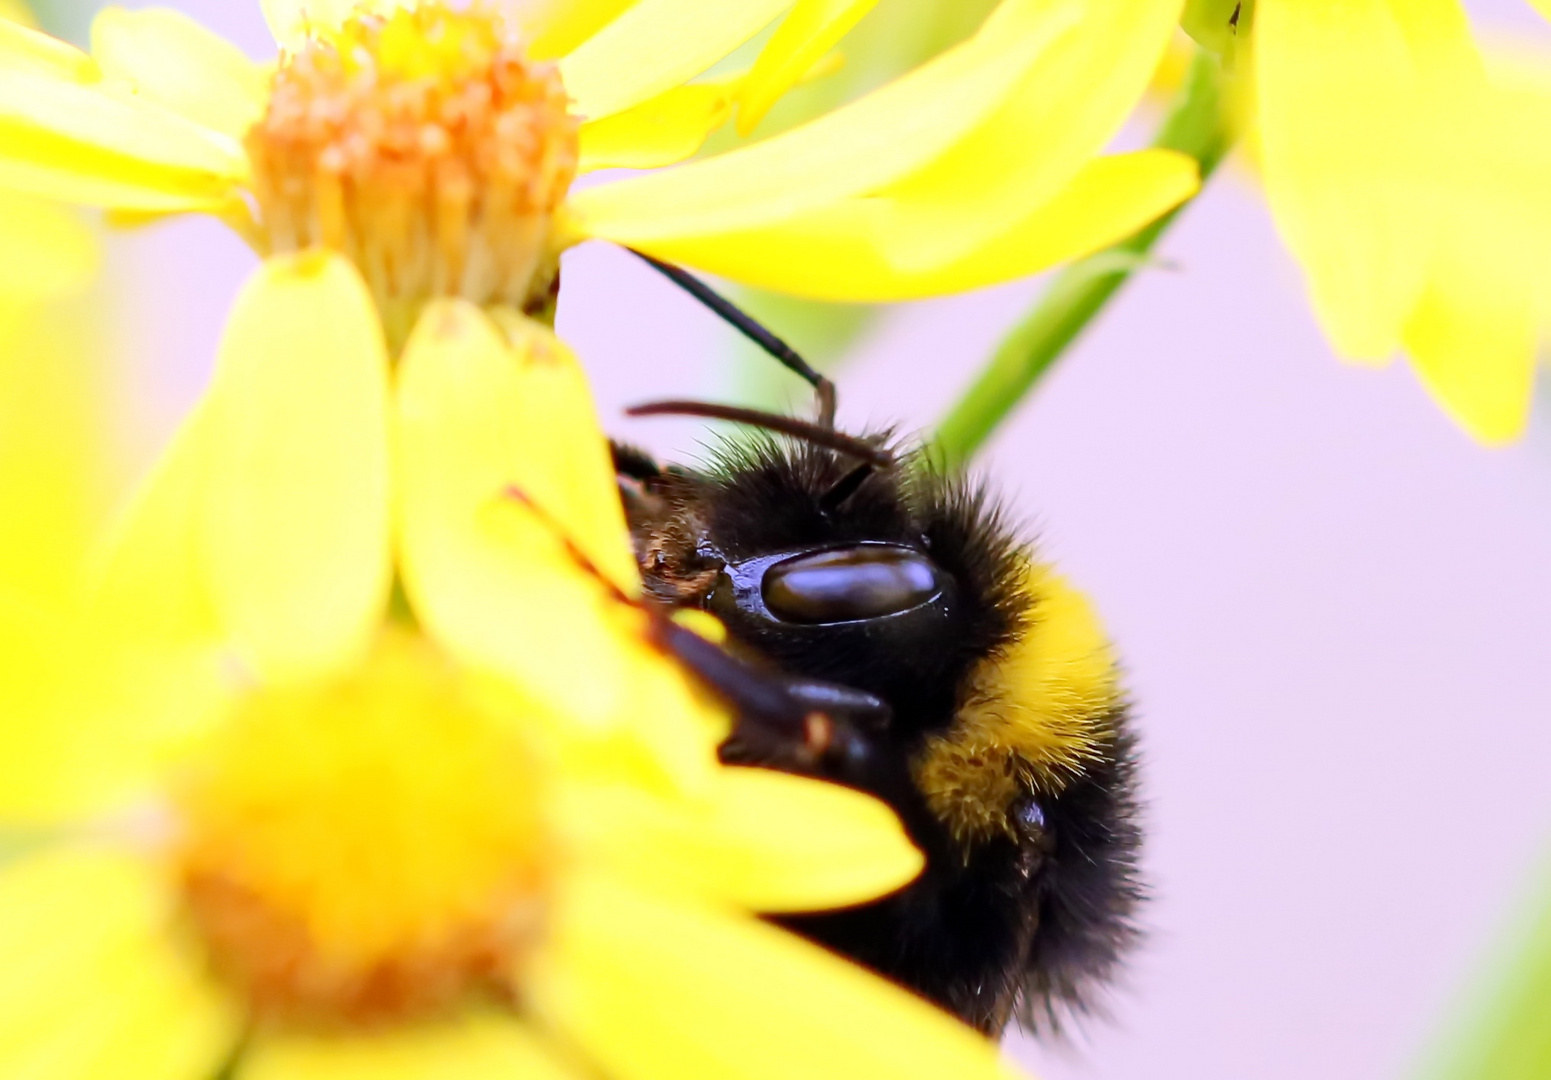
(1196, 126)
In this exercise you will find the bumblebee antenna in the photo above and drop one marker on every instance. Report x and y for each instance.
(750, 328)
(818, 434)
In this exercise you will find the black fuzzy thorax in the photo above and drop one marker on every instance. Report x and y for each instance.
(1029, 924)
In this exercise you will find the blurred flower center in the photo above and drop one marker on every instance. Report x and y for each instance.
(365, 850)
(425, 147)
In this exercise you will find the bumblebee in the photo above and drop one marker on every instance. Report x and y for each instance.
(892, 632)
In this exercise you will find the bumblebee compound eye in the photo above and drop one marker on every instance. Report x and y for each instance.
(865, 581)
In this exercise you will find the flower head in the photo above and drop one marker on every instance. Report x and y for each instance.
(432, 144)
(425, 147)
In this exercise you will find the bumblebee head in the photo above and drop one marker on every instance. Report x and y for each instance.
(914, 587)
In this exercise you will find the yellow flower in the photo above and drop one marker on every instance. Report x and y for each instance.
(53, 354)
(438, 152)
(1410, 183)
(310, 842)
(54, 363)
(312, 474)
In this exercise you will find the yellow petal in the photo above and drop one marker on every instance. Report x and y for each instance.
(291, 20)
(87, 720)
(853, 150)
(805, 35)
(95, 983)
(1067, 107)
(667, 129)
(59, 390)
(1472, 335)
(1341, 116)
(294, 511)
(526, 400)
(1472, 340)
(555, 27)
(52, 167)
(478, 1047)
(655, 45)
(25, 49)
(82, 144)
(851, 251)
(653, 990)
(173, 61)
(148, 572)
(485, 413)
(44, 250)
(760, 839)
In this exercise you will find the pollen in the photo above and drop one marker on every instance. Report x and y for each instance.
(425, 147)
(366, 851)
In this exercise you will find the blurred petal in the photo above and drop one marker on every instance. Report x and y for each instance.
(178, 64)
(31, 51)
(294, 510)
(94, 980)
(555, 27)
(86, 721)
(45, 250)
(655, 45)
(805, 35)
(1472, 339)
(1067, 107)
(653, 990)
(59, 400)
(1339, 105)
(853, 150)
(149, 569)
(517, 409)
(291, 20)
(80, 144)
(851, 252)
(483, 1047)
(761, 839)
(504, 473)
(667, 129)
(1472, 335)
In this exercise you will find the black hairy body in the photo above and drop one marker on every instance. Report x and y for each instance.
(1026, 811)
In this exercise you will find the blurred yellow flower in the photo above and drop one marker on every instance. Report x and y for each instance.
(56, 368)
(438, 152)
(271, 522)
(1410, 182)
(306, 841)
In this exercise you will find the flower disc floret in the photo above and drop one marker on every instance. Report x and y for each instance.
(365, 849)
(424, 146)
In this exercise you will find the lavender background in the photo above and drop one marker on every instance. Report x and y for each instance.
(1334, 610)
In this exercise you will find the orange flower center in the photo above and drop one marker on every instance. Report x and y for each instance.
(424, 146)
(366, 850)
